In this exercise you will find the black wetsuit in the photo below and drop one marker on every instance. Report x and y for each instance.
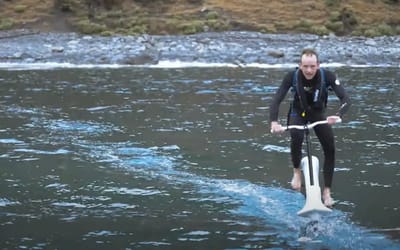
(311, 99)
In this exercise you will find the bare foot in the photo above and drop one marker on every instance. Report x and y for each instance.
(328, 201)
(296, 180)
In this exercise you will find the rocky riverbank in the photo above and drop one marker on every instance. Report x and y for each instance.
(241, 48)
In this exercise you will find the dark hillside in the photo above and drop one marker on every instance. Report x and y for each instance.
(108, 17)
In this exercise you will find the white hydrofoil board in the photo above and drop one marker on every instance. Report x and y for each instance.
(314, 203)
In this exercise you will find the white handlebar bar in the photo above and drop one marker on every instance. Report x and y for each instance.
(311, 125)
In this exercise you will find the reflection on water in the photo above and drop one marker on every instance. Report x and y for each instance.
(182, 159)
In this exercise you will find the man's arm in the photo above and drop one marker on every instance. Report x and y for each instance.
(276, 101)
(341, 93)
(279, 96)
(343, 97)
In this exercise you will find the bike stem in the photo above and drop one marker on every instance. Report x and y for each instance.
(310, 167)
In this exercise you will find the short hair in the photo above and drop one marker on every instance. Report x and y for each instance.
(309, 52)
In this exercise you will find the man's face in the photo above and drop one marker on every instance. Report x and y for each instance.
(309, 66)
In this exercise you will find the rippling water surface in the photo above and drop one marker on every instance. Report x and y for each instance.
(142, 158)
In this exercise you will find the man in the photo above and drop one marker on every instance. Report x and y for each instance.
(310, 84)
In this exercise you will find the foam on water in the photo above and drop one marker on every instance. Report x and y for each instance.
(275, 208)
(169, 64)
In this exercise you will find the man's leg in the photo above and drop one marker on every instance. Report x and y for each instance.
(325, 135)
(326, 196)
(297, 137)
(296, 179)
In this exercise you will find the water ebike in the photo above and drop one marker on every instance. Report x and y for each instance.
(310, 167)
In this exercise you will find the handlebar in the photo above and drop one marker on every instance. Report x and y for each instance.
(311, 125)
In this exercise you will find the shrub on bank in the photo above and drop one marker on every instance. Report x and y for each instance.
(85, 26)
(6, 23)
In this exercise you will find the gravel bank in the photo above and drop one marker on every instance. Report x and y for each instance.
(228, 47)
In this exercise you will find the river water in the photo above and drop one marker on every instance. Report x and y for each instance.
(181, 158)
